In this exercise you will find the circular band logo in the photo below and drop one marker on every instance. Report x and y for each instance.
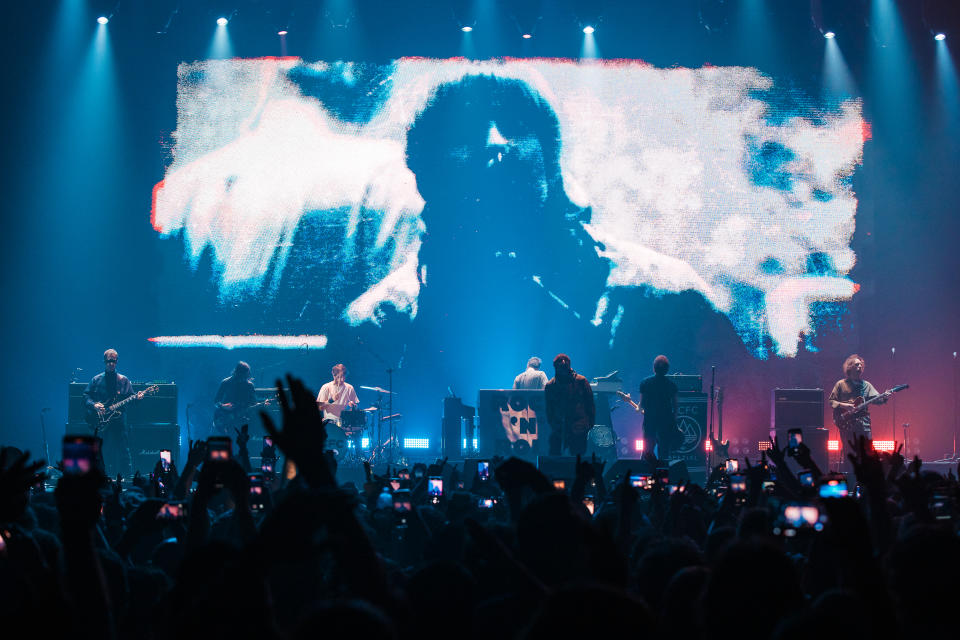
(692, 434)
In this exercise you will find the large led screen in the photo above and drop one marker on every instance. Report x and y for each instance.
(348, 193)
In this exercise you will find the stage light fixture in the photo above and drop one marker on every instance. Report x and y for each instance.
(764, 445)
(829, 35)
(707, 445)
(588, 29)
(416, 443)
(526, 36)
(282, 32)
(222, 22)
(833, 445)
(466, 28)
(103, 20)
(638, 445)
(940, 36)
(883, 445)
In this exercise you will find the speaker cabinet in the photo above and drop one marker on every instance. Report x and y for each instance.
(146, 441)
(796, 408)
(558, 467)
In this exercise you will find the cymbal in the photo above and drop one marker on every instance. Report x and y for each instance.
(377, 389)
(370, 409)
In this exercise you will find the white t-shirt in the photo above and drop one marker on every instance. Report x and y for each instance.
(338, 398)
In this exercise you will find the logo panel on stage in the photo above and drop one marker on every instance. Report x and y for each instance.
(512, 422)
(692, 423)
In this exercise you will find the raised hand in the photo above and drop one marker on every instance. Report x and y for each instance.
(197, 453)
(15, 483)
(303, 434)
(778, 455)
(866, 464)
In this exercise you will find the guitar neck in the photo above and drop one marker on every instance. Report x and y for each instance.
(129, 399)
(122, 403)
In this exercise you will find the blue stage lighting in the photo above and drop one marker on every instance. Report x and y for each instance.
(940, 36)
(829, 35)
(588, 30)
(222, 22)
(416, 443)
(466, 29)
(103, 19)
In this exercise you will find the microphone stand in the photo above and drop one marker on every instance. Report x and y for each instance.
(43, 434)
(390, 427)
(713, 379)
(391, 431)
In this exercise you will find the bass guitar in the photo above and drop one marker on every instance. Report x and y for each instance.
(225, 420)
(672, 438)
(846, 419)
(626, 398)
(98, 419)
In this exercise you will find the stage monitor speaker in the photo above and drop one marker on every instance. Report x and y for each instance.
(558, 467)
(815, 438)
(146, 441)
(795, 408)
(679, 471)
(619, 469)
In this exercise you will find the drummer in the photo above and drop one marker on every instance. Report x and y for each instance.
(337, 395)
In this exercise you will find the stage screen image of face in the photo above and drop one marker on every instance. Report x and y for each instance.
(320, 198)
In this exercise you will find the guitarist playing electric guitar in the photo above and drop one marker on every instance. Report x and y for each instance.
(658, 403)
(105, 391)
(234, 398)
(851, 398)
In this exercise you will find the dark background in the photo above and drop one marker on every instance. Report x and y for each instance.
(87, 141)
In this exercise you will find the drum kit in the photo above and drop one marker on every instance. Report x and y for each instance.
(344, 439)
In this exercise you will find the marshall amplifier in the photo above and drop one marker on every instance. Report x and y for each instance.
(146, 441)
(796, 408)
(692, 384)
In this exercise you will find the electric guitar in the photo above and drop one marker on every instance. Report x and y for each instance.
(846, 419)
(226, 419)
(99, 419)
(671, 439)
(626, 398)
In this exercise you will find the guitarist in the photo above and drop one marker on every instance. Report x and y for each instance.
(107, 388)
(658, 399)
(235, 395)
(848, 390)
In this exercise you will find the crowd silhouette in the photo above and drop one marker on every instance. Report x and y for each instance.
(511, 556)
